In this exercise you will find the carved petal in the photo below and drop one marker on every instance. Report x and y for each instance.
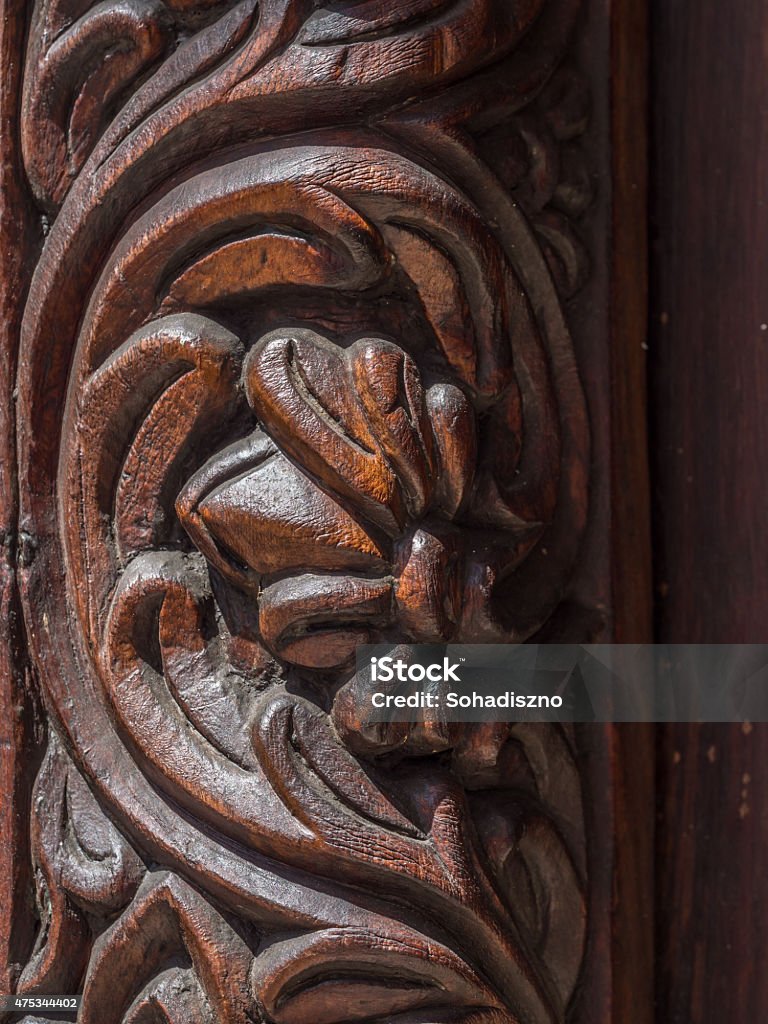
(318, 422)
(293, 612)
(69, 88)
(168, 931)
(355, 418)
(453, 425)
(338, 977)
(389, 386)
(275, 519)
(429, 585)
(83, 865)
(157, 398)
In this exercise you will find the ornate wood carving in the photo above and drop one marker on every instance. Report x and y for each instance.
(296, 374)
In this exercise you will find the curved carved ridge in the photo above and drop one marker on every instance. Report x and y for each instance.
(135, 975)
(317, 389)
(313, 834)
(256, 189)
(83, 866)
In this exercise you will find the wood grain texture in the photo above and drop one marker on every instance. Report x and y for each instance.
(297, 372)
(632, 558)
(709, 386)
(710, 308)
(632, 745)
(712, 834)
(18, 239)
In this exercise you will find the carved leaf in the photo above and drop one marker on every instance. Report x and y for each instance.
(84, 868)
(306, 382)
(170, 957)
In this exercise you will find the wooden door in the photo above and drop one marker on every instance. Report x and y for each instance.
(325, 323)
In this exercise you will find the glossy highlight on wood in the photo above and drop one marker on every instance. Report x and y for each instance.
(296, 373)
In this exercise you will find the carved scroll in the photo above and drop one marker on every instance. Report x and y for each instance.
(297, 348)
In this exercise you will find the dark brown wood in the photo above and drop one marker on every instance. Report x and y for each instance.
(632, 558)
(709, 348)
(710, 314)
(633, 883)
(322, 319)
(18, 755)
(712, 904)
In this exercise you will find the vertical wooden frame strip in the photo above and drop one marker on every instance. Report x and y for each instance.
(17, 720)
(709, 391)
(634, 780)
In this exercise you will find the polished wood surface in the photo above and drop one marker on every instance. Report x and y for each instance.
(709, 342)
(709, 384)
(18, 735)
(334, 329)
(319, 346)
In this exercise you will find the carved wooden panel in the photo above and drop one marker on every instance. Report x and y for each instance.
(297, 371)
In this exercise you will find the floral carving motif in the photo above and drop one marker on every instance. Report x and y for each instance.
(307, 392)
